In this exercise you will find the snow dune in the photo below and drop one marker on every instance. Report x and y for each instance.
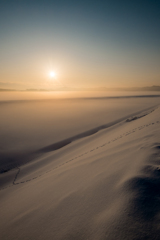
(102, 183)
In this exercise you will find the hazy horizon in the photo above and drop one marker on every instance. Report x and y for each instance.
(144, 88)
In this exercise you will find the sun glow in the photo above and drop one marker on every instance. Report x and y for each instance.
(52, 74)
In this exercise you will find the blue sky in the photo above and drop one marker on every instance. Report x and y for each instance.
(88, 43)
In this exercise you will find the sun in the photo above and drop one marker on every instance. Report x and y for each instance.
(52, 74)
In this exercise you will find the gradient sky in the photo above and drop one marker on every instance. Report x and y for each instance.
(108, 43)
